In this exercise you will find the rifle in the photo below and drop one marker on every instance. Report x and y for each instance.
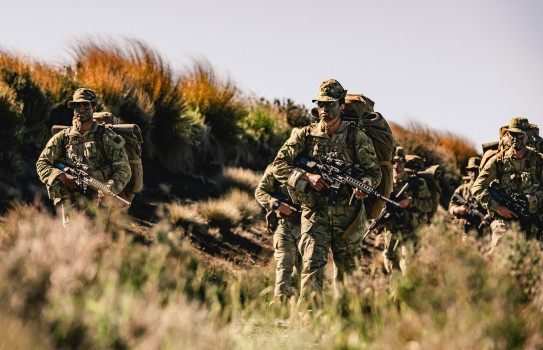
(517, 203)
(335, 178)
(85, 181)
(472, 205)
(388, 208)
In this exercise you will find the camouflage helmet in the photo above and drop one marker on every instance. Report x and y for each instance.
(473, 163)
(83, 95)
(330, 91)
(399, 153)
(519, 125)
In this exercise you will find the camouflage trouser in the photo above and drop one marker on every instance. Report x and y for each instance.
(80, 203)
(396, 252)
(285, 243)
(322, 230)
(499, 227)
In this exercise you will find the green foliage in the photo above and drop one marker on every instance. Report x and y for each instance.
(83, 290)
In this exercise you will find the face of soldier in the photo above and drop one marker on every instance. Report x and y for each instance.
(518, 140)
(399, 166)
(83, 111)
(329, 110)
(472, 174)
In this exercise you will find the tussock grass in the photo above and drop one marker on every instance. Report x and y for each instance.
(82, 289)
(246, 204)
(240, 178)
(220, 213)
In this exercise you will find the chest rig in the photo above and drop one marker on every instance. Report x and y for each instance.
(343, 150)
(523, 180)
(81, 153)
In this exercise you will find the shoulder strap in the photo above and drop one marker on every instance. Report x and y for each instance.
(99, 139)
(499, 165)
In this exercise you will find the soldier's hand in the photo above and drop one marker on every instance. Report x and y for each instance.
(505, 212)
(316, 181)
(286, 209)
(460, 210)
(68, 181)
(358, 193)
(404, 203)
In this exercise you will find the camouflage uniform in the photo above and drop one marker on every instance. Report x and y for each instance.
(100, 153)
(464, 191)
(286, 236)
(323, 225)
(523, 176)
(401, 226)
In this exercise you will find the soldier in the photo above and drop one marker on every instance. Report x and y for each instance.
(460, 209)
(517, 171)
(87, 146)
(283, 220)
(401, 227)
(324, 226)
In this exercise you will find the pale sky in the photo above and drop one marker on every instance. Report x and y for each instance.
(461, 66)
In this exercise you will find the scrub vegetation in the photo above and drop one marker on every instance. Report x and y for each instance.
(190, 265)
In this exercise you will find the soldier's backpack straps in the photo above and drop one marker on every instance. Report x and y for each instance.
(99, 139)
(499, 164)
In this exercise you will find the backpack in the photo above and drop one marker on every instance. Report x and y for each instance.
(430, 174)
(132, 136)
(359, 108)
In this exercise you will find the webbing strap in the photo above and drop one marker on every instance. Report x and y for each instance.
(353, 224)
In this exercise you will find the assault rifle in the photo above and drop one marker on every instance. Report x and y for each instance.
(518, 204)
(389, 209)
(472, 205)
(85, 181)
(332, 174)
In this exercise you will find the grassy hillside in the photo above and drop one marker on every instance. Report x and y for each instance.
(191, 266)
(194, 121)
(82, 288)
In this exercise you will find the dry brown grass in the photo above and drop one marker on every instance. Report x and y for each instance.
(53, 80)
(241, 178)
(445, 148)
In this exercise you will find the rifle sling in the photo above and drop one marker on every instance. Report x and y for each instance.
(354, 224)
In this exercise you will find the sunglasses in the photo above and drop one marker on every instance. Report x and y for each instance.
(516, 135)
(77, 105)
(321, 104)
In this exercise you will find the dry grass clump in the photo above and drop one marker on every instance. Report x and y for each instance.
(240, 178)
(445, 148)
(220, 213)
(245, 203)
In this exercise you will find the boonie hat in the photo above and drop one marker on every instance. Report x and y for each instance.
(83, 95)
(330, 91)
(399, 154)
(473, 163)
(519, 125)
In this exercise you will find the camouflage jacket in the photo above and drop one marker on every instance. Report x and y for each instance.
(312, 141)
(523, 176)
(267, 187)
(416, 213)
(464, 191)
(105, 160)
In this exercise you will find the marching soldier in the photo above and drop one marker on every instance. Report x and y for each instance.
(467, 211)
(325, 226)
(514, 173)
(283, 219)
(86, 146)
(416, 203)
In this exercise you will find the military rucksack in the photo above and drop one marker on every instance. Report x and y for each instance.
(430, 174)
(359, 108)
(132, 136)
